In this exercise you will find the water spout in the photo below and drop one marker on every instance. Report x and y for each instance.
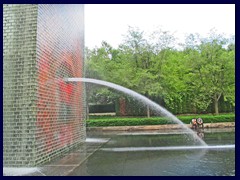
(141, 98)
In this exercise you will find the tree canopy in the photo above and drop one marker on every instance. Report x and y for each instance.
(195, 76)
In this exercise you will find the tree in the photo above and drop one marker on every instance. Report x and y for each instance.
(174, 80)
(212, 71)
(138, 54)
(195, 83)
(199, 75)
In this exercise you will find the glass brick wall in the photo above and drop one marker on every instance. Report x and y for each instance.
(44, 116)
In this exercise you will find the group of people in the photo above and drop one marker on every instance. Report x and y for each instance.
(197, 124)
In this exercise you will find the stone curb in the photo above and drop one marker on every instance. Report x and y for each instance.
(159, 127)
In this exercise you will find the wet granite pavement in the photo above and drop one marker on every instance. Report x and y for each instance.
(67, 163)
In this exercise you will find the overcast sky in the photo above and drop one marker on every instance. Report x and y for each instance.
(109, 22)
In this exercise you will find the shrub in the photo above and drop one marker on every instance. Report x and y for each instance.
(118, 121)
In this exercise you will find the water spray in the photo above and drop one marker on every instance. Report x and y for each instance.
(141, 98)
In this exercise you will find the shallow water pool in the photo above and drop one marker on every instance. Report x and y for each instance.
(158, 153)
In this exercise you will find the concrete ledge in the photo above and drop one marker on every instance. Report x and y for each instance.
(159, 127)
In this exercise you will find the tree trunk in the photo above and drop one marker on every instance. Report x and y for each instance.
(148, 112)
(216, 104)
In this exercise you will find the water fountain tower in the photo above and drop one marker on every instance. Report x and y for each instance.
(44, 116)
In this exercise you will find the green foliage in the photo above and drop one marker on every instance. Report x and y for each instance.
(194, 79)
(117, 121)
(212, 71)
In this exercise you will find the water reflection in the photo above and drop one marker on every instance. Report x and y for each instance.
(180, 162)
(200, 133)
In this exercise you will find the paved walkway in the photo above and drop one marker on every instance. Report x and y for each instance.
(61, 166)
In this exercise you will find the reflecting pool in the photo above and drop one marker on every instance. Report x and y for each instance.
(159, 153)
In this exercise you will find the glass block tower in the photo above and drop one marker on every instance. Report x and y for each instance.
(44, 116)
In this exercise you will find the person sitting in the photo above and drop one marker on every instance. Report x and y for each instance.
(194, 123)
(200, 122)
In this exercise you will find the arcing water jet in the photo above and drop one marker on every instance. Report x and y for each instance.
(141, 98)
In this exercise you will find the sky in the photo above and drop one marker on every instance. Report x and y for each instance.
(109, 22)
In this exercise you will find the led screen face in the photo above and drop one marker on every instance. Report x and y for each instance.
(60, 104)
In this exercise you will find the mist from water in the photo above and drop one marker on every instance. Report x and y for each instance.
(154, 106)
